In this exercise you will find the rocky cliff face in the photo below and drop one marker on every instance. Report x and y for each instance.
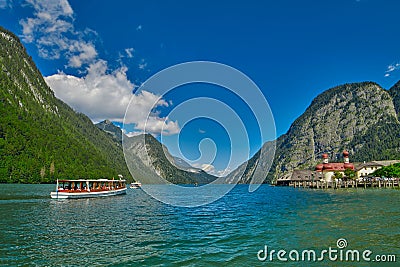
(395, 94)
(108, 127)
(359, 117)
(147, 159)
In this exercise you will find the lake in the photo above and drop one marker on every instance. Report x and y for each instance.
(137, 230)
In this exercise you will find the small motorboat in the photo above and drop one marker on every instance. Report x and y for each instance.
(136, 185)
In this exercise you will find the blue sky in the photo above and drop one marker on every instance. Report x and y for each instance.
(94, 53)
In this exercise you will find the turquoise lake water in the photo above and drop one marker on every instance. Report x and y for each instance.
(136, 230)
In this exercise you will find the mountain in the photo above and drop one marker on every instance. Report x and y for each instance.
(147, 158)
(359, 117)
(42, 138)
(395, 94)
(183, 165)
(108, 127)
(180, 163)
(173, 169)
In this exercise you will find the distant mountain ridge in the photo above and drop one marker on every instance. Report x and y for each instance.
(359, 117)
(158, 158)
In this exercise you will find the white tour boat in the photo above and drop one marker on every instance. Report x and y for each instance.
(88, 188)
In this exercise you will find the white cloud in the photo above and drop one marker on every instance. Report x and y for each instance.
(391, 68)
(209, 168)
(52, 30)
(103, 95)
(5, 4)
(142, 65)
(223, 173)
(150, 123)
(129, 52)
(86, 54)
(202, 131)
(52, 17)
(99, 95)
(131, 134)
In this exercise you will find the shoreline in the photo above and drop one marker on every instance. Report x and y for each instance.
(393, 184)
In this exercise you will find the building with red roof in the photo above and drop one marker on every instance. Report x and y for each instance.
(328, 169)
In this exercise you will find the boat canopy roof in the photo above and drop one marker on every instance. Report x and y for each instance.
(90, 180)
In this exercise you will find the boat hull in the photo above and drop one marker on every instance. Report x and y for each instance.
(71, 195)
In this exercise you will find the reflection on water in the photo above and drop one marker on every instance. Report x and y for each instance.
(136, 230)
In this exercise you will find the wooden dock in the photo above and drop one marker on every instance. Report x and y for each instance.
(394, 183)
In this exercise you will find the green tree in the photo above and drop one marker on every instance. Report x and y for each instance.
(52, 169)
(337, 175)
(388, 171)
(42, 172)
(350, 174)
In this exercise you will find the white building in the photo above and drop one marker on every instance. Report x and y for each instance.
(367, 168)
